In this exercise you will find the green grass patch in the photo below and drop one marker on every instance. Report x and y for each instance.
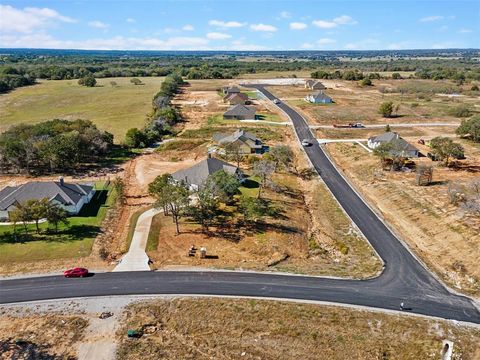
(268, 116)
(72, 240)
(114, 109)
(251, 94)
(153, 234)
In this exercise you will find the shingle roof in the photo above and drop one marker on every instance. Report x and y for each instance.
(68, 194)
(232, 89)
(198, 173)
(240, 110)
(397, 142)
(320, 95)
(231, 96)
(317, 85)
(239, 135)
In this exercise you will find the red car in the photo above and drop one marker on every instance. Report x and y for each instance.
(76, 272)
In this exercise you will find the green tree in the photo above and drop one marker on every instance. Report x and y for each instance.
(252, 209)
(470, 127)
(383, 152)
(38, 210)
(21, 213)
(88, 80)
(461, 111)
(386, 109)
(264, 170)
(475, 88)
(119, 186)
(56, 215)
(135, 138)
(387, 128)
(226, 184)
(136, 81)
(234, 152)
(396, 76)
(205, 209)
(157, 187)
(444, 148)
(366, 82)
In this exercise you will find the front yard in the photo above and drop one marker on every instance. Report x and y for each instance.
(74, 240)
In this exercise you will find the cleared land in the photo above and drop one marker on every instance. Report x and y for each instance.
(305, 231)
(112, 108)
(422, 101)
(443, 235)
(251, 329)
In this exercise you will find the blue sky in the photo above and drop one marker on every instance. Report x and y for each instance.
(240, 25)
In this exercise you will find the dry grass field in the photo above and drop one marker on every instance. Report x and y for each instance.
(204, 328)
(114, 109)
(445, 237)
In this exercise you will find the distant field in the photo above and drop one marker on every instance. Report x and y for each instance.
(114, 109)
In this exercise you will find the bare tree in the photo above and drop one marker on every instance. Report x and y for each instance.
(264, 170)
(424, 175)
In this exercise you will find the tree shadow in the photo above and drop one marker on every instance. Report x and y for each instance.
(250, 184)
(73, 233)
(24, 349)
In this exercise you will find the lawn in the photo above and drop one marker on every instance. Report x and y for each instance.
(114, 109)
(72, 241)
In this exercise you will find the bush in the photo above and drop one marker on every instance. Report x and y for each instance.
(470, 127)
(386, 109)
(366, 82)
(88, 80)
(460, 111)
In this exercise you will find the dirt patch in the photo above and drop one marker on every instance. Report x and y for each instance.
(252, 329)
(443, 236)
(47, 336)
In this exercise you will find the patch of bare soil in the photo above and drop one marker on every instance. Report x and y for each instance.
(441, 234)
(250, 329)
(46, 336)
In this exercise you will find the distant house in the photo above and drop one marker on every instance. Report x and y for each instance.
(240, 112)
(247, 142)
(231, 90)
(400, 147)
(314, 85)
(319, 97)
(236, 98)
(197, 175)
(69, 196)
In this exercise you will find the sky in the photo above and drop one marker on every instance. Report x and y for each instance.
(240, 25)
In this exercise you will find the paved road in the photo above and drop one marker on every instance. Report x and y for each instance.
(403, 279)
(382, 126)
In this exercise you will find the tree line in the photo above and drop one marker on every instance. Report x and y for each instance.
(162, 117)
(52, 146)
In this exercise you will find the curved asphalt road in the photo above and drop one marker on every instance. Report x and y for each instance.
(403, 279)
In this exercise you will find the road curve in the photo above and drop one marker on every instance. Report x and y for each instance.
(404, 279)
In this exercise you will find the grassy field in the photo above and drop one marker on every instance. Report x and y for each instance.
(114, 109)
(72, 241)
(250, 329)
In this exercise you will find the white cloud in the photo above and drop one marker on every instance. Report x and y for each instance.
(297, 26)
(226, 24)
(285, 15)
(241, 46)
(340, 20)
(326, 41)
(115, 43)
(130, 20)
(465, 31)
(365, 44)
(29, 19)
(188, 27)
(307, 46)
(98, 24)
(218, 36)
(263, 27)
(345, 20)
(432, 18)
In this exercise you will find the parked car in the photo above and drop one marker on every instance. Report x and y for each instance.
(276, 101)
(306, 142)
(357, 125)
(76, 272)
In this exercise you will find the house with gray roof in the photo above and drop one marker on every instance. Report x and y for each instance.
(240, 112)
(319, 97)
(231, 90)
(69, 196)
(247, 143)
(236, 98)
(400, 147)
(197, 175)
(314, 85)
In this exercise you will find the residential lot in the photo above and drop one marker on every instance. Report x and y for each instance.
(112, 108)
(203, 328)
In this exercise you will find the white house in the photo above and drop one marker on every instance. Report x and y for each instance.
(69, 196)
(319, 97)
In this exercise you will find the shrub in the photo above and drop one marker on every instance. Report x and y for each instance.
(461, 111)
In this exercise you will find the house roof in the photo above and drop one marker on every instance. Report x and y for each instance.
(239, 135)
(231, 96)
(320, 95)
(198, 173)
(317, 85)
(309, 82)
(397, 142)
(240, 110)
(232, 89)
(67, 194)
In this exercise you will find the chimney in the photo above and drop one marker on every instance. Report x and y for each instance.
(209, 155)
(61, 180)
